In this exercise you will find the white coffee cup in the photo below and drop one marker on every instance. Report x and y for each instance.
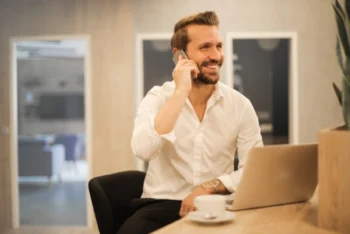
(210, 205)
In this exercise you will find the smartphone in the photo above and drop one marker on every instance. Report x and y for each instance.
(176, 58)
(177, 54)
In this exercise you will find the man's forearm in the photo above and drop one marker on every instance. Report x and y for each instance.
(167, 116)
(215, 187)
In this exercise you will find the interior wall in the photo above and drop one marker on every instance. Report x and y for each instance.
(312, 20)
(110, 25)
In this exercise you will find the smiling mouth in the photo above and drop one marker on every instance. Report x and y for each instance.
(212, 67)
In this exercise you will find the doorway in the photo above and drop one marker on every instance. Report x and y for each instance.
(51, 119)
(263, 67)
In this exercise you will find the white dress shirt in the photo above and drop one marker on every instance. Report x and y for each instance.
(194, 152)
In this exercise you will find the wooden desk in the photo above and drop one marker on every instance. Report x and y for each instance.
(294, 218)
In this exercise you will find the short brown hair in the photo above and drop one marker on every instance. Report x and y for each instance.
(180, 37)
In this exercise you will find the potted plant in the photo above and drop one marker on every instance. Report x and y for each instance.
(334, 144)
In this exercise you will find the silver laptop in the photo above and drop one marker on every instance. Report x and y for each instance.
(276, 175)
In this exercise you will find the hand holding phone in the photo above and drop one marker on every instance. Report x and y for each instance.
(185, 71)
(194, 71)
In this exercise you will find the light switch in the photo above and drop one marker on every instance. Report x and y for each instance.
(4, 130)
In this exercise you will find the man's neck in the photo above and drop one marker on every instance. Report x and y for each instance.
(200, 93)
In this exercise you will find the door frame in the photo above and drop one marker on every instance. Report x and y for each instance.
(293, 78)
(140, 165)
(13, 119)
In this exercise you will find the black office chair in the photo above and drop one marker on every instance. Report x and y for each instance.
(111, 196)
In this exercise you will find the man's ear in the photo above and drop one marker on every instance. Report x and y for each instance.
(175, 50)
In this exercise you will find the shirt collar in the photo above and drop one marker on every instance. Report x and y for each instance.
(217, 94)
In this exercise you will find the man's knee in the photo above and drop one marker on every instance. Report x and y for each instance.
(138, 224)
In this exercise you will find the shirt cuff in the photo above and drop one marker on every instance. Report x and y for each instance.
(227, 182)
(168, 136)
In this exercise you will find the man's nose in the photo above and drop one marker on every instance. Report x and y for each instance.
(215, 54)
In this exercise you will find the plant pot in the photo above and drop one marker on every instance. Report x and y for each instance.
(334, 180)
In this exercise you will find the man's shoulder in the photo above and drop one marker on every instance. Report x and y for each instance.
(232, 95)
(167, 89)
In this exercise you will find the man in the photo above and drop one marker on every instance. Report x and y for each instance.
(189, 129)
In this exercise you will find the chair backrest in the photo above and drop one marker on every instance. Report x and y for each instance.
(111, 196)
(29, 145)
(25, 142)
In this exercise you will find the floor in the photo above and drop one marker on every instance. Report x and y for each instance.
(53, 205)
(59, 202)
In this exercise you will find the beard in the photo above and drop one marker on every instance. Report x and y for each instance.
(205, 79)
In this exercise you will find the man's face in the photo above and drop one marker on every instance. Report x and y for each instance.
(205, 49)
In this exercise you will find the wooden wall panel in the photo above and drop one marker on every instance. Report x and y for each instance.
(110, 27)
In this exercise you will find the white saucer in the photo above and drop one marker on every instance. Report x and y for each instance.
(199, 217)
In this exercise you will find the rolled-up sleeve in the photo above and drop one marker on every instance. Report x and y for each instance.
(145, 141)
(249, 136)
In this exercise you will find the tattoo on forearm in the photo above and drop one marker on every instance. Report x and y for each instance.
(215, 187)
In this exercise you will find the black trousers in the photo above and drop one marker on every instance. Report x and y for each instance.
(148, 215)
